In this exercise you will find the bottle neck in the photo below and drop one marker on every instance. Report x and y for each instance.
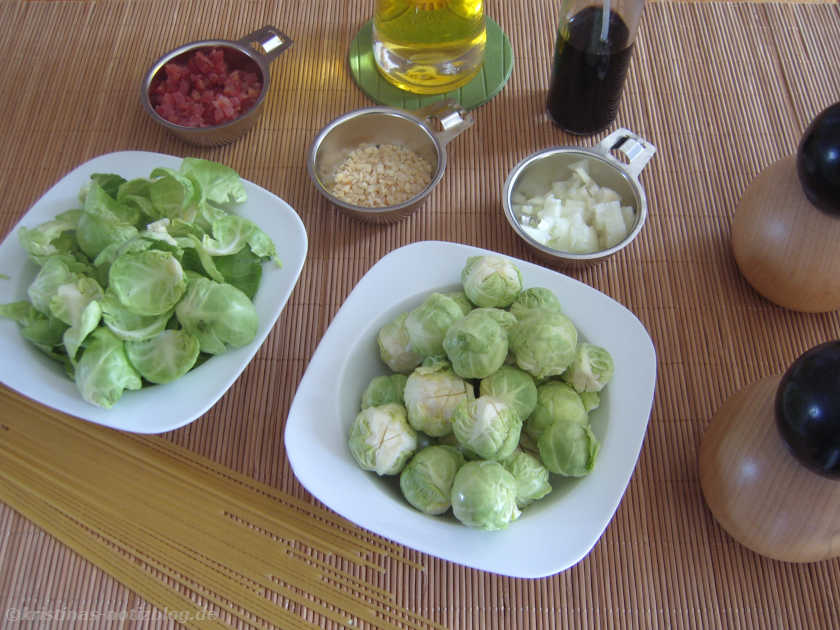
(630, 12)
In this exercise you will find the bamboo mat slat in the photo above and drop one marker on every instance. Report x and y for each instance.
(722, 89)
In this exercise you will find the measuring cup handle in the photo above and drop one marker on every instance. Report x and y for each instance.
(453, 118)
(269, 40)
(637, 149)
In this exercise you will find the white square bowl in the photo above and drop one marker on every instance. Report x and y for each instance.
(553, 533)
(158, 408)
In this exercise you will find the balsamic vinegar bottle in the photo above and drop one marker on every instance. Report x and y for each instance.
(595, 40)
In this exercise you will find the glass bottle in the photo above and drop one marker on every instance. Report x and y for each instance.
(429, 46)
(595, 40)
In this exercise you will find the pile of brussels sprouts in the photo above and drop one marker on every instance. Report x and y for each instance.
(148, 278)
(489, 391)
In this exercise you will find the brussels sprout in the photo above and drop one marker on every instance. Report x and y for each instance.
(70, 299)
(77, 305)
(95, 234)
(591, 369)
(107, 256)
(591, 400)
(531, 477)
(242, 270)
(544, 342)
(230, 233)
(21, 312)
(219, 183)
(219, 315)
(104, 222)
(491, 281)
(54, 273)
(46, 332)
(395, 346)
(384, 389)
(487, 426)
(484, 495)
(98, 201)
(164, 357)
(381, 439)
(432, 392)
(263, 247)
(158, 231)
(173, 194)
(534, 297)
(514, 386)
(503, 318)
(568, 448)
(476, 345)
(104, 372)
(147, 283)
(203, 223)
(555, 401)
(119, 264)
(44, 239)
(196, 253)
(427, 324)
(109, 182)
(135, 193)
(130, 326)
(463, 301)
(426, 481)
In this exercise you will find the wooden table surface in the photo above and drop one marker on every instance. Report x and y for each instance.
(723, 89)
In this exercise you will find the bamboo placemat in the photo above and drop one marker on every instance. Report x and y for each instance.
(721, 89)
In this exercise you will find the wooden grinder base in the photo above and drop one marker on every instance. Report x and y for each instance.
(785, 247)
(758, 492)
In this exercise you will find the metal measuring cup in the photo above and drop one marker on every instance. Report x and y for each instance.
(386, 125)
(257, 50)
(544, 167)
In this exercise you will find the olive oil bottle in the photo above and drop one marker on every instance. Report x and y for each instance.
(429, 46)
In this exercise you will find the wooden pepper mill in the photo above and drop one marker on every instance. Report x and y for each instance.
(786, 229)
(770, 461)
(770, 458)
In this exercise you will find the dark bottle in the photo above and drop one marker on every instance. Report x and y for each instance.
(590, 65)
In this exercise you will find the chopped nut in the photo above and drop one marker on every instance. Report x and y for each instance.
(376, 176)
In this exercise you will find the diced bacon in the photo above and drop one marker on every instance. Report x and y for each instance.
(200, 63)
(203, 91)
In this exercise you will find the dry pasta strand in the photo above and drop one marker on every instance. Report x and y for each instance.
(179, 529)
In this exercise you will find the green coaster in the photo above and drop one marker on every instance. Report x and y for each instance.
(494, 73)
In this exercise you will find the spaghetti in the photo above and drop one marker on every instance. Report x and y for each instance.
(189, 535)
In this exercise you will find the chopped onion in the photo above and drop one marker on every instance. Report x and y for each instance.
(574, 215)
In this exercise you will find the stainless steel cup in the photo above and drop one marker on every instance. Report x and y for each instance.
(416, 131)
(261, 47)
(540, 169)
